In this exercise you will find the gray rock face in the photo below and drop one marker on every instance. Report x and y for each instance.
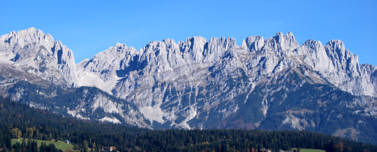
(272, 83)
(144, 76)
(38, 54)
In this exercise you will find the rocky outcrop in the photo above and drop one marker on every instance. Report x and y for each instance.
(271, 83)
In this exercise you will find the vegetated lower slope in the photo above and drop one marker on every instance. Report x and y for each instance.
(19, 143)
(22, 121)
(300, 104)
(88, 103)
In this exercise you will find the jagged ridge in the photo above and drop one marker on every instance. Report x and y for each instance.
(205, 84)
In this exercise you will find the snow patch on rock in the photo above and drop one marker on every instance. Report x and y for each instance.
(110, 119)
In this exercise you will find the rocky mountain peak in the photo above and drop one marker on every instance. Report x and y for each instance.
(120, 45)
(196, 41)
(343, 59)
(193, 45)
(337, 47)
(313, 44)
(253, 42)
(197, 83)
(287, 41)
(24, 37)
(120, 50)
(38, 53)
(225, 43)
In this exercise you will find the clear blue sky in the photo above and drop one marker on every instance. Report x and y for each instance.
(88, 26)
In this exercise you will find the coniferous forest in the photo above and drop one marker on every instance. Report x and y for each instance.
(19, 121)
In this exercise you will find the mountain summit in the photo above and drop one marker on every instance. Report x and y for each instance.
(266, 83)
(38, 54)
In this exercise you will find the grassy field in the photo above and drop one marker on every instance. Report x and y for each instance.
(58, 144)
(311, 150)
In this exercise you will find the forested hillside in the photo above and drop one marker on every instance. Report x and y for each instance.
(20, 121)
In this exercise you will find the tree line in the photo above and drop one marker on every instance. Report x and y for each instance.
(20, 121)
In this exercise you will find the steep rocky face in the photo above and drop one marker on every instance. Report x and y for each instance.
(38, 54)
(168, 60)
(266, 83)
(339, 66)
(104, 69)
(144, 76)
(86, 103)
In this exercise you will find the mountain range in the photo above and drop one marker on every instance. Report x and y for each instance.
(265, 83)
